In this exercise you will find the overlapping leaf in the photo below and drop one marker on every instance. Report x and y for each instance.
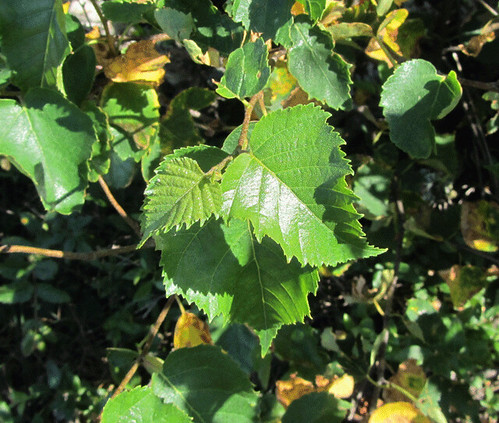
(50, 140)
(141, 401)
(181, 192)
(34, 40)
(322, 74)
(291, 186)
(263, 16)
(224, 270)
(411, 98)
(247, 71)
(207, 385)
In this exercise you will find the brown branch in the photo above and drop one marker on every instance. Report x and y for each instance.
(147, 346)
(486, 86)
(243, 138)
(135, 227)
(70, 255)
(103, 19)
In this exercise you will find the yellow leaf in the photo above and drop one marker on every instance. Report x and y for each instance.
(190, 331)
(464, 282)
(480, 225)
(387, 32)
(94, 34)
(398, 412)
(409, 376)
(65, 6)
(141, 63)
(298, 9)
(342, 387)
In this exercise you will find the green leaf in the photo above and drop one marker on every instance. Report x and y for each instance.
(207, 385)
(247, 71)
(181, 193)
(133, 111)
(322, 73)
(126, 11)
(317, 407)
(211, 27)
(411, 98)
(176, 24)
(51, 294)
(16, 292)
(141, 403)
(314, 8)
(265, 16)
(34, 40)
(50, 140)
(78, 74)
(178, 128)
(291, 186)
(224, 270)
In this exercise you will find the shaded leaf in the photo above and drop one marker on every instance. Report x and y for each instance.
(345, 30)
(409, 376)
(411, 98)
(291, 186)
(247, 71)
(480, 225)
(464, 282)
(140, 63)
(316, 407)
(191, 331)
(322, 74)
(314, 8)
(127, 11)
(245, 281)
(50, 140)
(207, 385)
(175, 23)
(141, 403)
(51, 294)
(34, 40)
(181, 193)
(16, 292)
(78, 74)
(262, 16)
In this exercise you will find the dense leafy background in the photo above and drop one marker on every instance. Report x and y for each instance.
(423, 163)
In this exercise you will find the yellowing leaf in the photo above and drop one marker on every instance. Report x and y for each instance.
(387, 32)
(289, 390)
(464, 282)
(409, 376)
(65, 6)
(141, 63)
(298, 9)
(191, 331)
(480, 225)
(398, 412)
(94, 34)
(342, 387)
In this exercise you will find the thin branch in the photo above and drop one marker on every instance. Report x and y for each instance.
(488, 7)
(135, 227)
(70, 255)
(147, 346)
(486, 86)
(243, 138)
(103, 19)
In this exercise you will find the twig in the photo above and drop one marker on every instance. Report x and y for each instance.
(490, 9)
(70, 255)
(135, 227)
(103, 19)
(147, 346)
(486, 86)
(243, 138)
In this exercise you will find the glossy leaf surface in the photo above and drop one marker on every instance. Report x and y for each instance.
(207, 385)
(291, 186)
(411, 98)
(50, 140)
(34, 40)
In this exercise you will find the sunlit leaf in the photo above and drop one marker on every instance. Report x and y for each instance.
(398, 412)
(191, 331)
(141, 63)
